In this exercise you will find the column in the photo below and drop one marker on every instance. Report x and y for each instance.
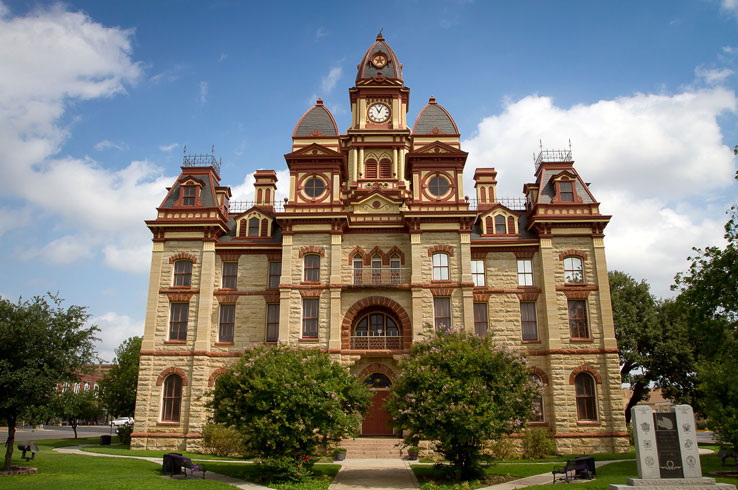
(152, 300)
(285, 290)
(416, 280)
(334, 342)
(205, 298)
(467, 292)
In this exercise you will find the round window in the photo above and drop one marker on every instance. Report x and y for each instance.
(438, 186)
(314, 187)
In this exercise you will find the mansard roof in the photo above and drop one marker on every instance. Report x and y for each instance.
(367, 71)
(434, 119)
(206, 193)
(317, 121)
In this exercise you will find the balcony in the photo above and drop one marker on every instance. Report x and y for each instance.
(376, 276)
(376, 343)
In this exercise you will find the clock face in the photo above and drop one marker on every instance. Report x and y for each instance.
(379, 60)
(379, 113)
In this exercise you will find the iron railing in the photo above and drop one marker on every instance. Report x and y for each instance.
(376, 343)
(514, 203)
(206, 160)
(376, 276)
(236, 207)
(551, 156)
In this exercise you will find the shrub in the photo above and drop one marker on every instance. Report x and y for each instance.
(502, 448)
(287, 402)
(124, 434)
(461, 391)
(537, 443)
(222, 441)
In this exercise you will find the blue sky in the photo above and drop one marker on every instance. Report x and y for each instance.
(97, 100)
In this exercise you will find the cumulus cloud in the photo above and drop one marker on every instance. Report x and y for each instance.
(731, 6)
(245, 190)
(116, 328)
(320, 33)
(712, 76)
(656, 162)
(13, 218)
(329, 81)
(169, 147)
(107, 145)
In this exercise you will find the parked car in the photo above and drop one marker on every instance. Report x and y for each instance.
(122, 421)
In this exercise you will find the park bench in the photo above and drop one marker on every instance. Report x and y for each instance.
(28, 446)
(579, 467)
(724, 454)
(173, 463)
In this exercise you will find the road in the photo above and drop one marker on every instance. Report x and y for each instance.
(54, 432)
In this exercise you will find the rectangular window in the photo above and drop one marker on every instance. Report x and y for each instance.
(440, 267)
(578, 328)
(312, 268)
(230, 275)
(275, 274)
(227, 319)
(310, 318)
(395, 271)
(188, 195)
(178, 321)
(272, 333)
(385, 170)
(183, 273)
(480, 319)
(442, 313)
(376, 270)
(566, 191)
(371, 170)
(525, 272)
(477, 269)
(528, 320)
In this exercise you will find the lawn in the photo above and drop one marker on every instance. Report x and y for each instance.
(122, 450)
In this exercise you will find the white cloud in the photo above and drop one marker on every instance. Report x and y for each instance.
(655, 163)
(132, 254)
(13, 218)
(203, 92)
(329, 81)
(712, 76)
(115, 329)
(107, 144)
(168, 147)
(730, 6)
(245, 190)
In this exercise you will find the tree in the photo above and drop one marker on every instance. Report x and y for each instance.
(77, 407)
(461, 391)
(287, 401)
(118, 387)
(41, 344)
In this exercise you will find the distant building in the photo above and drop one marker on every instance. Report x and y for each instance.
(656, 400)
(376, 247)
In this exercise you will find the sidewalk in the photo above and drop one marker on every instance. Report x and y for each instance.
(542, 479)
(376, 474)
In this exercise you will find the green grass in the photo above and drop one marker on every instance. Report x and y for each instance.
(323, 475)
(122, 450)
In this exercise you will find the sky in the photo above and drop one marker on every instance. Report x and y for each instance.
(99, 98)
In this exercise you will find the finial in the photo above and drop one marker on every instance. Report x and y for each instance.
(379, 36)
(319, 101)
(185, 150)
(540, 144)
(432, 99)
(212, 150)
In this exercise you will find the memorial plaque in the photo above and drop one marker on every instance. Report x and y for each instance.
(645, 442)
(688, 441)
(667, 445)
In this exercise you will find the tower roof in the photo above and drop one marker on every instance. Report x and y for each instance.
(434, 119)
(372, 64)
(317, 121)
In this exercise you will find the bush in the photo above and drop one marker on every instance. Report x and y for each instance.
(124, 434)
(537, 443)
(461, 391)
(502, 448)
(287, 402)
(222, 441)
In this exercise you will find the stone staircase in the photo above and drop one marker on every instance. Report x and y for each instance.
(373, 447)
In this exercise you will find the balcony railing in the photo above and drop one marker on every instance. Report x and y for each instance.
(201, 161)
(376, 276)
(376, 343)
(236, 207)
(514, 203)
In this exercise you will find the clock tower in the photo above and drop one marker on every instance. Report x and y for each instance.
(379, 138)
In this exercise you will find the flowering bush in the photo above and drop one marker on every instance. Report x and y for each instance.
(461, 391)
(287, 402)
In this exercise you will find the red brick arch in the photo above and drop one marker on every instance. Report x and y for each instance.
(585, 369)
(440, 248)
(395, 250)
(377, 368)
(182, 256)
(380, 301)
(214, 376)
(352, 254)
(312, 249)
(573, 253)
(171, 370)
(540, 373)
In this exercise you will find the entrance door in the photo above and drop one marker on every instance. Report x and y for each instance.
(377, 422)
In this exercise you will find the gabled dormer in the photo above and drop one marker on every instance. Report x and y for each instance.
(436, 172)
(500, 222)
(253, 224)
(316, 173)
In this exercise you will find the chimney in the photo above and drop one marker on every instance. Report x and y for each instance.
(264, 188)
(485, 182)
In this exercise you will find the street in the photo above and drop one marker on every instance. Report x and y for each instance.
(55, 432)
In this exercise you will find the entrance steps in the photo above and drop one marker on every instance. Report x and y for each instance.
(373, 447)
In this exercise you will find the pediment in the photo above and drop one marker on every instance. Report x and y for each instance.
(314, 150)
(437, 147)
(254, 212)
(376, 203)
(564, 175)
(499, 209)
(189, 180)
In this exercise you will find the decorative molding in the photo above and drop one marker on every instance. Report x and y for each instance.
(229, 256)
(541, 374)
(478, 254)
(376, 368)
(312, 249)
(227, 298)
(440, 248)
(214, 375)
(525, 253)
(441, 291)
(573, 253)
(576, 294)
(171, 370)
(310, 293)
(352, 254)
(481, 296)
(585, 369)
(532, 296)
(179, 297)
(182, 256)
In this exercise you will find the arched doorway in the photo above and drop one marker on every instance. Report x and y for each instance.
(377, 421)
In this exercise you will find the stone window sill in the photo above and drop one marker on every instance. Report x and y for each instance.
(581, 340)
(168, 424)
(586, 423)
(532, 341)
(309, 340)
(175, 342)
(224, 343)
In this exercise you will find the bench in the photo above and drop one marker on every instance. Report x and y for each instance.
(174, 462)
(724, 454)
(28, 446)
(580, 467)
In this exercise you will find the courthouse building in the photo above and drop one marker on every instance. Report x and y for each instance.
(377, 246)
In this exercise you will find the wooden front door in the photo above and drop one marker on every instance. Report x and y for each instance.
(377, 421)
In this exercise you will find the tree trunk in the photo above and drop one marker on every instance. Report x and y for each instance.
(74, 427)
(640, 390)
(9, 444)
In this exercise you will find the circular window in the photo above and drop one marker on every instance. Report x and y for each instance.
(438, 186)
(314, 187)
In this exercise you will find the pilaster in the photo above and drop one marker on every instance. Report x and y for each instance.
(152, 300)
(334, 342)
(467, 293)
(205, 298)
(285, 290)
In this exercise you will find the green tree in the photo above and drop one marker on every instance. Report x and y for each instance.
(41, 344)
(287, 402)
(461, 391)
(118, 387)
(76, 408)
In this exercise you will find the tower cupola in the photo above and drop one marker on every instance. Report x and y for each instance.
(379, 62)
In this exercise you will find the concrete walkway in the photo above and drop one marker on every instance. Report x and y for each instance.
(542, 479)
(375, 474)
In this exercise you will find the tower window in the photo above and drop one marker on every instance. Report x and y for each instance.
(370, 170)
(227, 320)
(578, 328)
(314, 187)
(573, 270)
(230, 275)
(312, 268)
(566, 191)
(385, 169)
(585, 394)
(188, 195)
(438, 186)
(183, 273)
(477, 270)
(171, 399)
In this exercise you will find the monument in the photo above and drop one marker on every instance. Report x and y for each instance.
(666, 451)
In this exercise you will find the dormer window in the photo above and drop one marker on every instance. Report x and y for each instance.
(500, 227)
(254, 227)
(566, 191)
(188, 195)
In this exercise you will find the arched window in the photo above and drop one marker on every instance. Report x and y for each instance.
(573, 270)
(537, 415)
(376, 269)
(254, 227)
(500, 227)
(183, 273)
(370, 169)
(378, 381)
(171, 399)
(440, 267)
(312, 267)
(584, 386)
(395, 268)
(376, 331)
(385, 169)
(358, 269)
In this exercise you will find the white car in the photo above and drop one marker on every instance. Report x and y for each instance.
(122, 421)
